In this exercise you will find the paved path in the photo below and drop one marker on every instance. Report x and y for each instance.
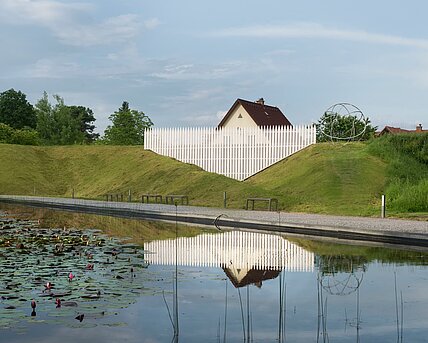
(319, 225)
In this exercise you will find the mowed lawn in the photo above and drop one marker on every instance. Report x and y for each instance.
(340, 178)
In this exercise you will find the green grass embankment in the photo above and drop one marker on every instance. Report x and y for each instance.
(407, 171)
(327, 178)
(96, 170)
(345, 179)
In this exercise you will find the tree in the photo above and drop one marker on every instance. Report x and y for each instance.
(86, 117)
(56, 125)
(334, 126)
(127, 127)
(16, 111)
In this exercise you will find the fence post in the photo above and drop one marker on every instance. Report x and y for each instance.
(224, 199)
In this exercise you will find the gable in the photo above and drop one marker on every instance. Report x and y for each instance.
(238, 117)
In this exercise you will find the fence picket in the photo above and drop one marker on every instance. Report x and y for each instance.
(236, 153)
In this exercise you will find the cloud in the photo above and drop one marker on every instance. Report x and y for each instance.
(313, 30)
(111, 30)
(152, 23)
(200, 71)
(66, 21)
(46, 12)
(45, 68)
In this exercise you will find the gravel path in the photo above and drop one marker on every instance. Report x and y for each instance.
(396, 227)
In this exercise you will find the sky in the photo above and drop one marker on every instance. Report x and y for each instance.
(184, 63)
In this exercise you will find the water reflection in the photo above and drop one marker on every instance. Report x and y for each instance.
(246, 257)
(253, 287)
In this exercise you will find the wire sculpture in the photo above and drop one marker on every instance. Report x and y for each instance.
(334, 118)
(341, 275)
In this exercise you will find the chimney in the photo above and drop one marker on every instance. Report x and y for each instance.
(261, 101)
(419, 128)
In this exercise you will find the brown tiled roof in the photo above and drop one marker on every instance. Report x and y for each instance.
(397, 130)
(263, 115)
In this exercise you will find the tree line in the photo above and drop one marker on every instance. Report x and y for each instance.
(56, 123)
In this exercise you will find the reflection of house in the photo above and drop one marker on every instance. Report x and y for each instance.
(237, 251)
(244, 277)
(396, 130)
(245, 113)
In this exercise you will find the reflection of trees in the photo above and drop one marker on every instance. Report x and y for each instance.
(339, 275)
(332, 264)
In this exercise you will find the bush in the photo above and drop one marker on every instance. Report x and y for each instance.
(9, 135)
(6, 133)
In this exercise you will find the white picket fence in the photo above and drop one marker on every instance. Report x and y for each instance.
(237, 153)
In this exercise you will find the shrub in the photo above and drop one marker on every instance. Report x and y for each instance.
(25, 136)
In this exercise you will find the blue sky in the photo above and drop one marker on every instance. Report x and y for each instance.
(185, 62)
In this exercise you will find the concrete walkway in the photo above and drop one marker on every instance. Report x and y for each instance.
(359, 228)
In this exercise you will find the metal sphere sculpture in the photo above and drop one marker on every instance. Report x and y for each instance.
(342, 283)
(343, 122)
(341, 275)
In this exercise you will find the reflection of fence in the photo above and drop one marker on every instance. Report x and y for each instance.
(234, 152)
(236, 248)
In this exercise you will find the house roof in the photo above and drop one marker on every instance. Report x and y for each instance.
(253, 276)
(397, 130)
(263, 115)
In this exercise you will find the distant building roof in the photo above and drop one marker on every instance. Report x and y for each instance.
(263, 115)
(397, 130)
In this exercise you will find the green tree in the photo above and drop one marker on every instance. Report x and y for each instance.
(16, 111)
(127, 127)
(56, 125)
(86, 118)
(334, 126)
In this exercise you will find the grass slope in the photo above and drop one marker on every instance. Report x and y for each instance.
(325, 178)
(96, 170)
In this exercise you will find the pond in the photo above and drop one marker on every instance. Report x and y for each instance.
(199, 286)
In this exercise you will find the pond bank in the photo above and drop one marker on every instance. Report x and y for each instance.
(392, 231)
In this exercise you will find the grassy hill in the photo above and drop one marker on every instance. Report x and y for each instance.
(324, 178)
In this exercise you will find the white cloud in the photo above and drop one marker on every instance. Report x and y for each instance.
(66, 21)
(200, 71)
(313, 30)
(114, 29)
(152, 23)
(44, 12)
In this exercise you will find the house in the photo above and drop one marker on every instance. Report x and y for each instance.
(396, 130)
(244, 113)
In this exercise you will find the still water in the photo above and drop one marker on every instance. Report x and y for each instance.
(212, 286)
